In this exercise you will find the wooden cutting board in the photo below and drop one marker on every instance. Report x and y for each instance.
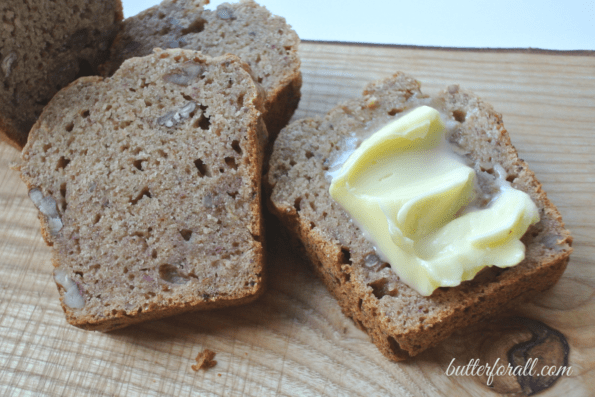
(294, 341)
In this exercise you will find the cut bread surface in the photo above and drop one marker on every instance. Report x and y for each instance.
(45, 45)
(262, 40)
(148, 185)
(401, 322)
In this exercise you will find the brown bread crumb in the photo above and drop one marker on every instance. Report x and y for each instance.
(204, 360)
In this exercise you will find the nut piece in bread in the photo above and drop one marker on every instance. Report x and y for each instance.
(400, 321)
(148, 186)
(45, 45)
(262, 40)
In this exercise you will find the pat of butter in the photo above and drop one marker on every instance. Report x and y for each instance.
(407, 190)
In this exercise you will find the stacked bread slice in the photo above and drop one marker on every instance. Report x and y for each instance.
(148, 181)
(148, 186)
(262, 40)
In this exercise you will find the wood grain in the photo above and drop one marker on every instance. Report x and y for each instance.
(294, 340)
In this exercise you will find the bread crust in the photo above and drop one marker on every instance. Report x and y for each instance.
(156, 307)
(401, 322)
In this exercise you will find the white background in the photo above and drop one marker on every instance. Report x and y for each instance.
(546, 24)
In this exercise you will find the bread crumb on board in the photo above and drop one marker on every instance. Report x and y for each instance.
(204, 360)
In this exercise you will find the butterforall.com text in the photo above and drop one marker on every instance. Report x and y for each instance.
(497, 369)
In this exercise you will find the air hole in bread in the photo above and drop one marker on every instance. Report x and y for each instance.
(69, 127)
(511, 178)
(231, 163)
(138, 164)
(161, 152)
(232, 195)
(309, 154)
(47, 147)
(255, 237)
(143, 193)
(63, 189)
(359, 304)
(382, 287)
(259, 80)
(235, 145)
(161, 15)
(459, 115)
(85, 113)
(202, 168)
(297, 204)
(195, 27)
(172, 274)
(345, 256)
(62, 163)
(154, 254)
(148, 103)
(165, 30)
(312, 225)
(324, 214)
(292, 162)
(240, 100)
(394, 111)
(186, 234)
(312, 205)
(203, 122)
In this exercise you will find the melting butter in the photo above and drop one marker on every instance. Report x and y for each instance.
(411, 195)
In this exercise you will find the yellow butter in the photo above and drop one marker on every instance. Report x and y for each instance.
(404, 188)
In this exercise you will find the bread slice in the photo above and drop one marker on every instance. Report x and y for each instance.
(45, 45)
(264, 41)
(148, 186)
(400, 321)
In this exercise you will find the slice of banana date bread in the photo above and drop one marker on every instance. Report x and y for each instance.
(262, 40)
(400, 321)
(148, 186)
(45, 45)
